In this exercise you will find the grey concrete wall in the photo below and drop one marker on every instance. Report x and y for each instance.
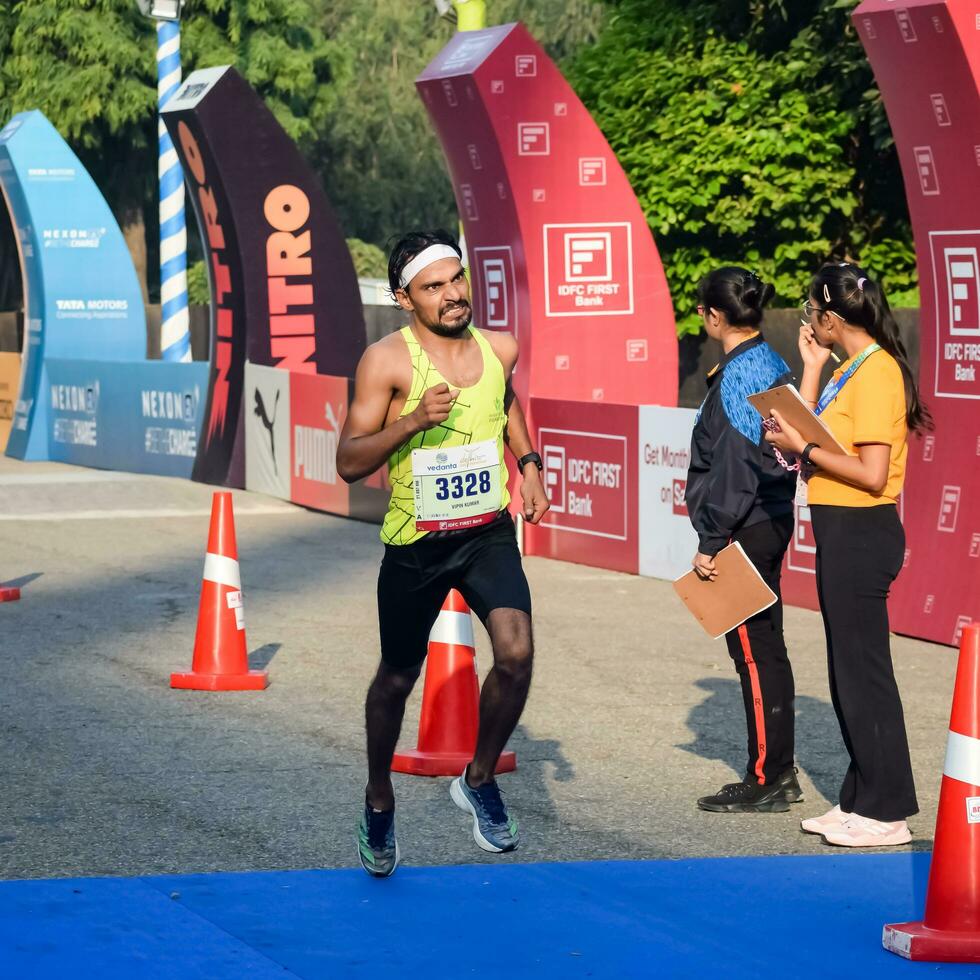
(697, 354)
(379, 320)
(383, 320)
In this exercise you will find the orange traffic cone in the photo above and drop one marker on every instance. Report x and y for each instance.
(220, 655)
(950, 930)
(450, 700)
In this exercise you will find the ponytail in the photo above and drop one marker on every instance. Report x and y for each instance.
(852, 294)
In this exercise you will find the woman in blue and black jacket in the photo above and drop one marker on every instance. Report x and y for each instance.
(738, 491)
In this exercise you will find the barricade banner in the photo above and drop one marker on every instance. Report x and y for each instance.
(560, 252)
(81, 294)
(144, 418)
(268, 436)
(283, 287)
(292, 428)
(926, 59)
(590, 456)
(799, 581)
(317, 413)
(9, 386)
(667, 539)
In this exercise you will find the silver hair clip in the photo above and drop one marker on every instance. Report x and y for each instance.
(861, 283)
(826, 292)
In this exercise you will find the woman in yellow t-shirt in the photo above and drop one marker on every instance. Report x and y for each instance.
(870, 405)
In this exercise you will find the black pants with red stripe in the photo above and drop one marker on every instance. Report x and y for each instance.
(759, 652)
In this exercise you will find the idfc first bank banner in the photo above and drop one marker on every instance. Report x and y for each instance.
(616, 476)
(82, 298)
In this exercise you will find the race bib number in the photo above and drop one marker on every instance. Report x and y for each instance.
(457, 487)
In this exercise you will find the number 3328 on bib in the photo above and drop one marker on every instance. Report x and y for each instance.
(456, 487)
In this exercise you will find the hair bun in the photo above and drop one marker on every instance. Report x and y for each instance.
(756, 293)
(739, 293)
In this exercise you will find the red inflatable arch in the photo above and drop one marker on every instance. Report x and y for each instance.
(926, 59)
(559, 249)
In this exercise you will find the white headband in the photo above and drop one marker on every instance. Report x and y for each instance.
(426, 257)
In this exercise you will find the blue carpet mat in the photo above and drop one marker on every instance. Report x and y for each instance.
(729, 917)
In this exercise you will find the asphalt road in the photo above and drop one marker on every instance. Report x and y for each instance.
(107, 771)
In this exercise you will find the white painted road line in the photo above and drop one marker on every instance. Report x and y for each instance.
(151, 512)
(52, 478)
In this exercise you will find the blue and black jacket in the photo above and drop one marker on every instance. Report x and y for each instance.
(734, 480)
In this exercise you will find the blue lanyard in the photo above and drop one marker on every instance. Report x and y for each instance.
(833, 388)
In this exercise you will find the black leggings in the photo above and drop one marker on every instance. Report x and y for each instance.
(759, 653)
(860, 551)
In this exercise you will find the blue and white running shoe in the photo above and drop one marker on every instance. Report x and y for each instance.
(493, 829)
(376, 844)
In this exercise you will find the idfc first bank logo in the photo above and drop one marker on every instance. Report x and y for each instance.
(956, 271)
(588, 269)
(585, 474)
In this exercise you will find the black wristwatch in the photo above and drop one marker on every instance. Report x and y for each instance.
(530, 458)
(805, 455)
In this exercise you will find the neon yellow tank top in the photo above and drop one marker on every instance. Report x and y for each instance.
(477, 416)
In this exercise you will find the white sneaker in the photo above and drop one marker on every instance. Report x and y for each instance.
(858, 831)
(829, 821)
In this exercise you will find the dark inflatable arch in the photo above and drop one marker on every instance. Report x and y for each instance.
(284, 291)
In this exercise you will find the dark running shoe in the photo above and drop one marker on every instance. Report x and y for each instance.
(790, 785)
(493, 829)
(747, 798)
(376, 844)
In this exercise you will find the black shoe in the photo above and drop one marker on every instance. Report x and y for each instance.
(747, 798)
(791, 786)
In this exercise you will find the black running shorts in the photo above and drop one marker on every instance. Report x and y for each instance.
(483, 563)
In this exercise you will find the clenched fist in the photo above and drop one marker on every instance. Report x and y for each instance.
(435, 406)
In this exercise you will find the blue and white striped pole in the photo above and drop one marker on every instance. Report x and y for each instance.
(175, 336)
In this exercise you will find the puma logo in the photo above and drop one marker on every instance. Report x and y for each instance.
(269, 424)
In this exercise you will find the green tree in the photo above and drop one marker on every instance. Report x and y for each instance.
(751, 135)
(90, 66)
(369, 260)
(379, 157)
(84, 64)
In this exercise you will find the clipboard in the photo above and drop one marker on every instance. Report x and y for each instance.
(791, 405)
(736, 595)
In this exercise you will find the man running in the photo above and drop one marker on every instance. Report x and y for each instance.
(435, 400)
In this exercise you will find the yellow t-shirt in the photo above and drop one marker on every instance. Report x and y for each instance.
(870, 408)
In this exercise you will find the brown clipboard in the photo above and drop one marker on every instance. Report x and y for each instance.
(737, 594)
(791, 406)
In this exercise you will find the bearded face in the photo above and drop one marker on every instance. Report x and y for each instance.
(439, 296)
(453, 318)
